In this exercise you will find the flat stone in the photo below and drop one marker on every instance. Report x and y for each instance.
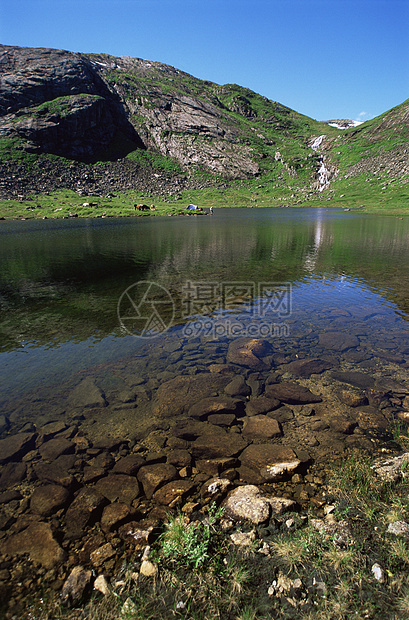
(118, 487)
(76, 586)
(84, 510)
(14, 447)
(10, 496)
(177, 395)
(338, 341)
(102, 554)
(291, 393)
(261, 404)
(173, 492)
(211, 405)
(399, 528)
(37, 540)
(248, 352)
(52, 449)
(152, 477)
(213, 467)
(222, 419)
(12, 474)
(87, 394)
(261, 427)
(352, 398)
(280, 505)
(213, 446)
(306, 367)
(390, 470)
(179, 458)
(357, 379)
(237, 387)
(113, 515)
(190, 429)
(57, 471)
(246, 503)
(46, 500)
(52, 428)
(269, 460)
(129, 465)
(4, 423)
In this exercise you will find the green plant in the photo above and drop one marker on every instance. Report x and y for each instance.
(189, 543)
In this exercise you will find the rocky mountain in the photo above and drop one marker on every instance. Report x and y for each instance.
(96, 123)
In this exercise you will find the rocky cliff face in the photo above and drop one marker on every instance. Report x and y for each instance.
(55, 102)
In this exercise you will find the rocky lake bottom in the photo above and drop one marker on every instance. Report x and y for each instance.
(183, 423)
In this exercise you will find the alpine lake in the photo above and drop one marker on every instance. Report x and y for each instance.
(142, 357)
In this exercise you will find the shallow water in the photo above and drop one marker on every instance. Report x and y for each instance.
(61, 281)
(86, 297)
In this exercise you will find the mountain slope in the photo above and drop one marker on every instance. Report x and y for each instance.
(94, 107)
(95, 123)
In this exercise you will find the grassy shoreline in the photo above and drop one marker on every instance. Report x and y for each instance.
(66, 204)
(338, 560)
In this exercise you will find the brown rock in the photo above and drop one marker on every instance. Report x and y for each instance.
(38, 541)
(214, 467)
(118, 487)
(338, 341)
(84, 510)
(261, 404)
(248, 352)
(237, 387)
(47, 499)
(191, 429)
(352, 398)
(12, 474)
(291, 393)
(14, 447)
(261, 427)
(102, 554)
(76, 586)
(154, 476)
(173, 493)
(263, 457)
(308, 366)
(57, 471)
(113, 515)
(370, 418)
(177, 395)
(179, 458)
(214, 446)
(129, 465)
(222, 419)
(53, 448)
(87, 394)
(136, 533)
(211, 405)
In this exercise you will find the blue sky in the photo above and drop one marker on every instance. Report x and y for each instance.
(326, 59)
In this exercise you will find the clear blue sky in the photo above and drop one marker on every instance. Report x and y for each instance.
(326, 59)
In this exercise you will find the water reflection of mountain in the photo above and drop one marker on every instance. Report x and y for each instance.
(63, 279)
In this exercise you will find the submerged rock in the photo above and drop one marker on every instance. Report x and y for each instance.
(249, 352)
(37, 540)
